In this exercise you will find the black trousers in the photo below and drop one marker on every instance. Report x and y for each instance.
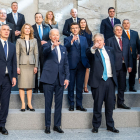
(48, 92)
(5, 90)
(105, 92)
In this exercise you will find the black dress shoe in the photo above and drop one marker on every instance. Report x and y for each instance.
(30, 109)
(3, 131)
(95, 130)
(81, 108)
(58, 129)
(123, 106)
(132, 89)
(35, 90)
(22, 110)
(41, 91)
(71, 108)
(112, 129)
(47, 130)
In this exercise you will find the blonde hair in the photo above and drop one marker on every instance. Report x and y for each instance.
(31, 35)
(53, 19)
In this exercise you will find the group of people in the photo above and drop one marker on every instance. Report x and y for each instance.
(101, 61)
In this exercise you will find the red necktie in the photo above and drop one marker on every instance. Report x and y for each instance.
(120, 42)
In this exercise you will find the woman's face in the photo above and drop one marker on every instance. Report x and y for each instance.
(50, 15)
(27, 30)
(83, 24)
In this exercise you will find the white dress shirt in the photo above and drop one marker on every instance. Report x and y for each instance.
(74, 19)
(41, 27)
(107, 60)
(58, 50)
(14, 15)
(27, 44)
(2, 41)
(126, 31)
(3, 22)
(111, 18)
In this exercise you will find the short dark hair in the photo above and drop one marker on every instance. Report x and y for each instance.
(110, 8)
(38, 13)
(73, 23)
(14, 2)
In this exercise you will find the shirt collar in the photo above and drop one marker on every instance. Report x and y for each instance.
(38, 25)
(127, 30)
(117, 37)
(74, 18)
(3, 41)
(3, 22)
(111, 18)
(14, 13)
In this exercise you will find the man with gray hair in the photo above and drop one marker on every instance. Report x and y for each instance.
(67, 25)
(3, 16)
(133, 38)
(123, 61)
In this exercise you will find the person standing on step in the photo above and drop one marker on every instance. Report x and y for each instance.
(8, 74)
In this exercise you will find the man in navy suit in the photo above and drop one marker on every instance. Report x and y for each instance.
(16, 18)
(8, 74)
(76, 46)
(133, 37)
(123, 58)
(102, 80)
(67, 25)
(107, 24)
(55, 76)
(41, 33)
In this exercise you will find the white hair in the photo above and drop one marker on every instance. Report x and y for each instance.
(117, 25)
(73, 9)
(1, 9)
(54, 29)
(98, 34)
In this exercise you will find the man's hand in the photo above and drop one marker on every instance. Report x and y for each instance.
(74, 38)
(129, 69)
(138, 56)
(43, 42)
(66, 83)
(96, 46)
(18, 70)
(13, 82)
(56, 43)
(35, 70)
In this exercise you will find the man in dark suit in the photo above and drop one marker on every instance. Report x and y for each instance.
(8, 74)
(67, 25)
(107, 24)
(102, 81)
(16, 18)
(133, 38)
(3, 16)
(76, 46)
(123, 58)
(54, 76)
(41, 33)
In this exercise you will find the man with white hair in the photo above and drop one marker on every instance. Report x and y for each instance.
(102, 80)
(67, 25)
(55, 76)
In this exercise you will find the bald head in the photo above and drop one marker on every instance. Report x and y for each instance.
(73, 12)
(54, 35)
(3, 15)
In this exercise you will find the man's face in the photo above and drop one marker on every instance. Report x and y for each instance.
(75, 29)
(111, 13)
(5, 31)
(3, 15)
(126, 24)
(100, 41)
(38, 18)
(54, 36)
(73, 13)
(118, 31)
(14, 7)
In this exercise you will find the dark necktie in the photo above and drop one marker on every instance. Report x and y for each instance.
(5, 49)
(120, 42)
(56, 51)
(112, 22)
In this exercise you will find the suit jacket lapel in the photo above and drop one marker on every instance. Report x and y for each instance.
(43, 29)
(12, 18)
(99, 56)
(55, 55)
(18, 17)
(115, 21)
(2, 50)
(124, 33)
(110, 22)
(9, 50)
(116, 43)
(61, 50)
(36, 32)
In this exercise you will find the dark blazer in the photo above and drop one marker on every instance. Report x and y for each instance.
(106, 27)
(134, 42)
(52, 67)
(73, 55)
(66, 29)
(126, 53)
(12, 32)
(96, 66)
(11, 62)
(20, 22)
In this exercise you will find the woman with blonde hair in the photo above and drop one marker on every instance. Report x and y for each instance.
(27, 63)
(50, 20)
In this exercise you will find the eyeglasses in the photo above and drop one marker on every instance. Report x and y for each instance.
(2, 13)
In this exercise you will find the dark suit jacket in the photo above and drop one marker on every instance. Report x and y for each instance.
(52, 67)
(66, 29)
(45, 36)
(106, 27)
(20, 22)
(73, 55)
(126, 53)
(11, 62)
(96, 66)
(134, 42)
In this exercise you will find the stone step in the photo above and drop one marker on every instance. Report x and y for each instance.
(38, 100)
(70, 120)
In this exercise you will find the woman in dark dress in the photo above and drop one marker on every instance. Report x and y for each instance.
(84, 31)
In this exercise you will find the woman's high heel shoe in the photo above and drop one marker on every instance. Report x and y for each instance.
(22, 110)
(30, 109)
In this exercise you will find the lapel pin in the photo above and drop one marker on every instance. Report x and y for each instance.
(108, 50)
(63, 52)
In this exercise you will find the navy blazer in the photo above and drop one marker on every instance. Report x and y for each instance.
(112, 42)
(10, 63)
(134, 42)
(73, 55)
(106, 27)
(66, 29)
(20, 22)
(51, 66)
(96, 66)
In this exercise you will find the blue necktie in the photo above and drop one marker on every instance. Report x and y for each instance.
(104, 64)
(15, 17)
(5, 49)
(40, 33)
